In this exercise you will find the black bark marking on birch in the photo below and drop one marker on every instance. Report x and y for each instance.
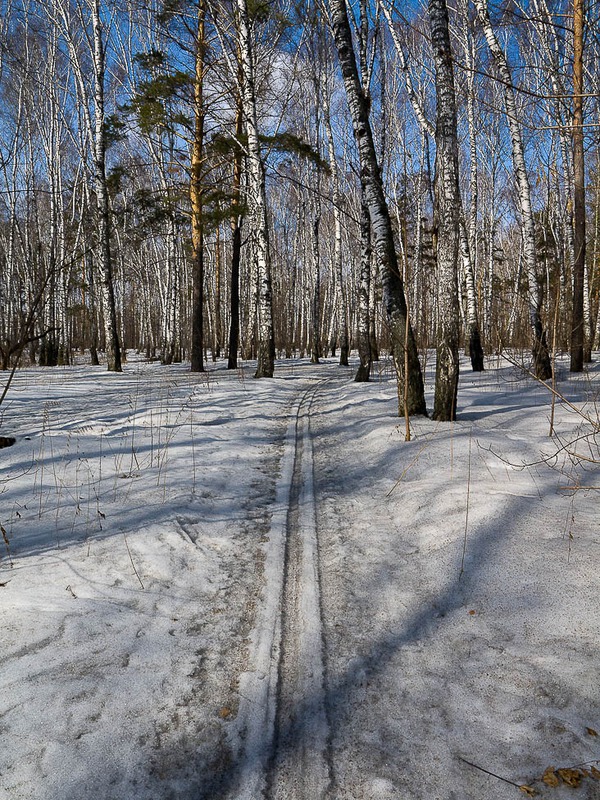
(257, 198)
(113, 346)
(383, 236)
(447, 211)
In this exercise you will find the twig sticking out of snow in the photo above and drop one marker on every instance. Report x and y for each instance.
(487, 772)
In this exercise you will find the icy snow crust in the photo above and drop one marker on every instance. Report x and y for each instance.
(144, 520)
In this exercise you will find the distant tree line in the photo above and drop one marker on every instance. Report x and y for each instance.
(237, 178)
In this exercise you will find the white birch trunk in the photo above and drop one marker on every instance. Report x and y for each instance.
(105, 269)
(257, 199)
(467, 250)
(578, 311)
(541, 356)
(489, 281)
(469, 232)
(406, 360)
(596, 257)
(364, 296)
(315, 354)
(338, 260)
(447, 217)
(197, 197)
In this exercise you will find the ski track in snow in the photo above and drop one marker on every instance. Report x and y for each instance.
(282, 724)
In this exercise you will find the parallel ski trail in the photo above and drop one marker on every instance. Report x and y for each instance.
(300, 768)
(281, 729)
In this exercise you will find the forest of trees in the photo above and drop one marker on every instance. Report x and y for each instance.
(205, 179)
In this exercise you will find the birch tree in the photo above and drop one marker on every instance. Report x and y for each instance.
(446, 216)
(105, 265)
(411, 396)
(336, 199)
(257, 200)
(467, 239)
(236, 236)
(577, 327)
(365, 291)
(196, 198)
(363, 373)
(468, 236)
(541, 357)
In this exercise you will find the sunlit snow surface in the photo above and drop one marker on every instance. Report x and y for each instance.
(459, 580)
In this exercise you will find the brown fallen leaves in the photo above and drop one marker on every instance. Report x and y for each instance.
(550, 778)
(572, 777)
(569, 776)
(528, 790)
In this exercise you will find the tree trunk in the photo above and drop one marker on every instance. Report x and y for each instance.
(218, 279)
(340, 305)
(467, 250)
(541, 356)
(373, 331)
(577, 327)
(446, 217)
(234, 295)
(257, 200)
(473, 331)
(470, 233)
(236, 242)
(410, 380)
(315, 321)
(588, 328)
(364, 293)
(105, 270)
(196, 200)
(595, 338)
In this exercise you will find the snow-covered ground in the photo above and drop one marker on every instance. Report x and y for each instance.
(458, 578)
